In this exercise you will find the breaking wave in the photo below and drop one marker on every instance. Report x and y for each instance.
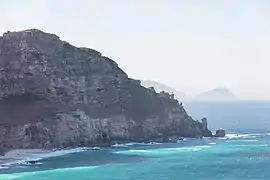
(240, 136)
(125, 145)
(162, 151)
(35, 158)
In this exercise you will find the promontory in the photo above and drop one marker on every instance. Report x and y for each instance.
(56, 95)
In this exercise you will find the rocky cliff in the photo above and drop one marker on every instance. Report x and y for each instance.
(53, 94)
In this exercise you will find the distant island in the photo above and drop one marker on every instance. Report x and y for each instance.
(159, 87)
(218, 94)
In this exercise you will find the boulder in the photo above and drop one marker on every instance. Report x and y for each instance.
(207, 133)
(220, 133)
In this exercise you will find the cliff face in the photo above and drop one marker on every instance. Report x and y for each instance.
(53, 94)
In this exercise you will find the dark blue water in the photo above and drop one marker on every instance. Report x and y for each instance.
(234, 116)
(243, 154)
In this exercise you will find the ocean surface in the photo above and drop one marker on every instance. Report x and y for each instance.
(244, 154)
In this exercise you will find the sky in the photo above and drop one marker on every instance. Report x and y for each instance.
(192, 45)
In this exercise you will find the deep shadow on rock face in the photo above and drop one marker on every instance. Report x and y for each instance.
(53, 94)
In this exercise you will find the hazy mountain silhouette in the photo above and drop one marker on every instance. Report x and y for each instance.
(218, 94)
(162, 87)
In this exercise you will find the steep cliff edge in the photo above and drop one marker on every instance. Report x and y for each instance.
(53, 94)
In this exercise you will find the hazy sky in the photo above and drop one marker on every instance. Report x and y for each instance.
(192, 45)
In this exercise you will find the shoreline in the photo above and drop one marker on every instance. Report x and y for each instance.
(17, 155)
(27, 156)
(32, 156)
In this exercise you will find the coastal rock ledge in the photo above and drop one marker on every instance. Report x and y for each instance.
(55, 95)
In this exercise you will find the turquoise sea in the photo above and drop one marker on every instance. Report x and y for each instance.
(244, 154)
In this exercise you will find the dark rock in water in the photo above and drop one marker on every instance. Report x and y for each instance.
(175, 139)
(55, 95)
(180, 139)
(31, 162)
(206, 132)
(95, 148)
(166, 139)
(220, 133)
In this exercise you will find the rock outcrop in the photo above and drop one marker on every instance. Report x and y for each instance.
(53, 94)
(205, 131)
(220, 133)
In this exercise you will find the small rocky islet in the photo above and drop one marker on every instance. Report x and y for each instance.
(56, 95)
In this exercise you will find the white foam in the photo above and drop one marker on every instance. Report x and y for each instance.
(254, 145)
(238, 136)
(212, 143)
(139, 151)
(18, 163)
(153, 143)
(205, 146)
(95, 148)
(181, 140)
(134, 144)
(24, 160)
(70, 169)
(207, 138)
(119, 145)
(250, 140)
(162, 151)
